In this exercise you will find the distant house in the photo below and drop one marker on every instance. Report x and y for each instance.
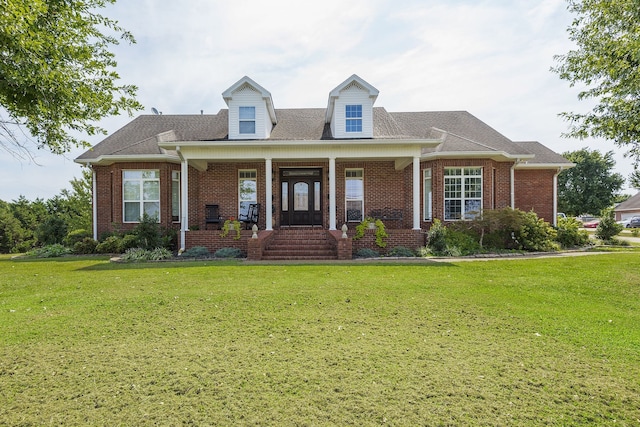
(629, 208)
(306, 172)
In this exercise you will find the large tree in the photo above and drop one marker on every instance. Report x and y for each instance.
(591, 185)
(606, 61)
(57, 74)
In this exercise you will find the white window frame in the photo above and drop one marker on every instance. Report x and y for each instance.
(243, 118)
(353, 174)
(141, 200)
(176, 201)
(250, 175)
(427, 195)
(469, 184)
(353, 120)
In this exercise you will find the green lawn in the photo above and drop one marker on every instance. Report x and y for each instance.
(524, 342)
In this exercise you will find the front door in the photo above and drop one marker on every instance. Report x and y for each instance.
(301, 197)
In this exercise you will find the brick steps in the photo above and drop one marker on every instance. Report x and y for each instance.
(300, 244)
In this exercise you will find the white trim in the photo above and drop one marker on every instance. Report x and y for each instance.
(94, 201)
(416, 193)
(268, 170)
(332, 193)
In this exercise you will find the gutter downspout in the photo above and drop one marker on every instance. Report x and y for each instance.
(94, 203)
(512, 184)
(184, 208)
(555, 197)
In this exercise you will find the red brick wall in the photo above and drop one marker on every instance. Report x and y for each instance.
(384, 187)
(534, 191)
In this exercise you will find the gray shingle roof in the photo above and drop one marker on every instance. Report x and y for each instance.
(459, 130)
(631, 204)
(543, 155)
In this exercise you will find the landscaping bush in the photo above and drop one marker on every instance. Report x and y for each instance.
(75, 236)
(401, 252)
(366, 253)
(49, 251)
(110, 245)
(196, 252)
(228, 253)
(569, 234)
(140, 254)
(461, 242)
(148, 233)
(535, 234)
(85, 246)
(437, 238)
(608, 228)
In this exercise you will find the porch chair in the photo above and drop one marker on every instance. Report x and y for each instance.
(251, 217)
(212, 215)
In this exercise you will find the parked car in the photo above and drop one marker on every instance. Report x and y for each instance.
(634, 222)
(624, 222)
(591, 224)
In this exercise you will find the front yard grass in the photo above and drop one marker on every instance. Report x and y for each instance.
(507, 342)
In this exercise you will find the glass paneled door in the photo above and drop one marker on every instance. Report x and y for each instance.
(301, 197)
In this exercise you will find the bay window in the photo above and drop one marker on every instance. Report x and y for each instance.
(140, 194)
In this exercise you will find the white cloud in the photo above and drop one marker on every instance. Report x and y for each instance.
(490, 57)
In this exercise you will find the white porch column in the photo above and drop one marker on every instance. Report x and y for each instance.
(269, 193)
(184, 203)
(416, 193)
(555, 198)
(332, 193)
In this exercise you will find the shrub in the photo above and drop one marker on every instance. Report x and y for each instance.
(196, 252)
(569, 234)
(462, 243)
(228, 253)
(535, 234)
(401, 251)
(76, 236)
(128, 241)
(140, 254)
(607, 227)
(85, 246)
(148, 233)
(110, 245)
(366, 253)
(49, 251)
(437, 238)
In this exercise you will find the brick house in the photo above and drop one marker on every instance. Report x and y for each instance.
(310, 171)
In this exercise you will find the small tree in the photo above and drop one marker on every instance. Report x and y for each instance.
(608, 228)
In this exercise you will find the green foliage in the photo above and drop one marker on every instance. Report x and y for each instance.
(535, 234)
(58, 76)
(605, 61)
(569, 233)
(437, 238)
(608, 227)
(140, 255)
(148, 233)
(196, 252)
(401, 252)
(85, 246)
(110, 245)
(381, 233)
(11, 232)
(589, 186)
(228, 226)
(75, 236)
(49, 251)
(366, 253)
(53, 230)
(74, 205)
(228, 253)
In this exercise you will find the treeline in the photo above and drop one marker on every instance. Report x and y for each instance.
(26, 224)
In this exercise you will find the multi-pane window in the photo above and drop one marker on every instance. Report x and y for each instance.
(247, 124)
(175, 196)
(353, 118)
(247, 189)
(428, 199)
(462, 193)
(354, 194)
(140, 194)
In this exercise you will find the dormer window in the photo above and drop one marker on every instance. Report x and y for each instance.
(353, 118)
(247, 124)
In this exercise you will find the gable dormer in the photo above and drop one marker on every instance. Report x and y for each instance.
(350, 109)
(251, 112)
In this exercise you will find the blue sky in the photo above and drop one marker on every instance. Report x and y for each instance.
(489, 57)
